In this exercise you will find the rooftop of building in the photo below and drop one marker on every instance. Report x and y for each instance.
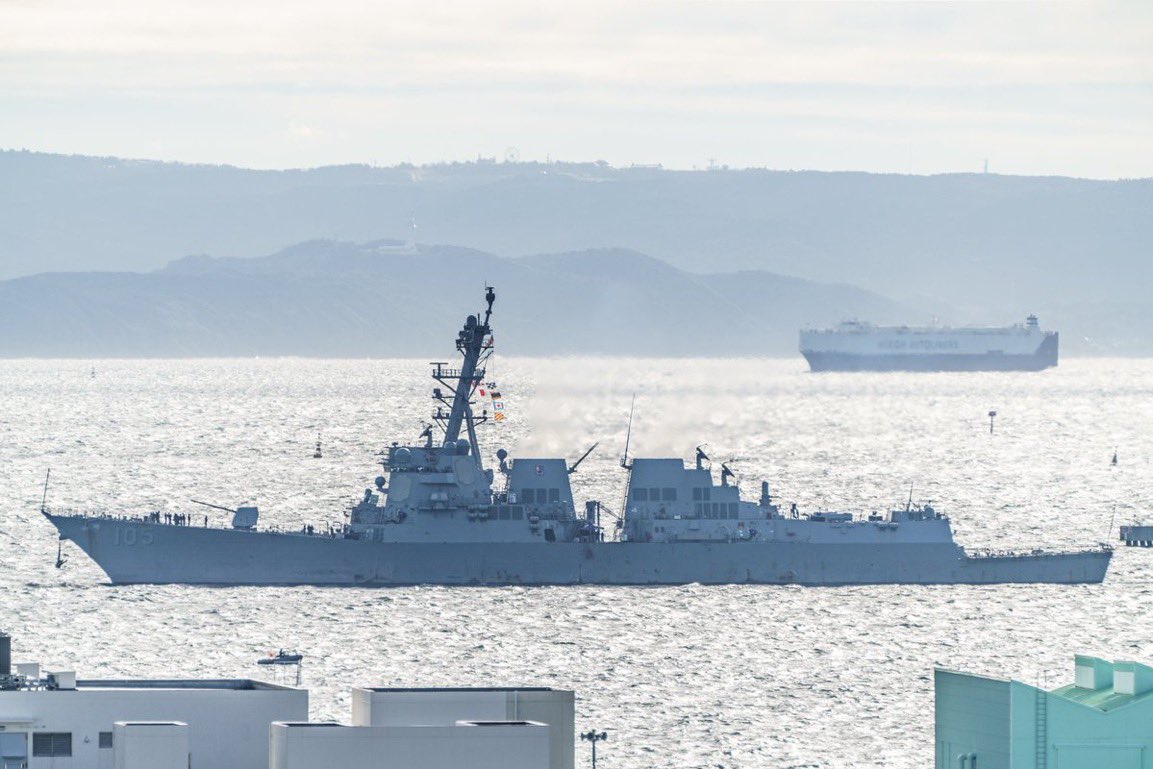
(1101, 684)
(1106, 685)
(452, 689)
(231, 684)
(222, 684)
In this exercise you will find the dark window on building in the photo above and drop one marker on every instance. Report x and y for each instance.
(641, 495)
(527, 496)
(669, 495)
(705, 492)
(554, 495)
(106, 739)
(52, 744)
(696, 495)
(517, 512)
(734, 511)
(503, 512)
(654, 495)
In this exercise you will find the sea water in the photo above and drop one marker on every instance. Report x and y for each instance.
(735, 676)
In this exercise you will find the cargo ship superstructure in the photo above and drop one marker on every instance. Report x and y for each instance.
(858, 346)
(440, 516)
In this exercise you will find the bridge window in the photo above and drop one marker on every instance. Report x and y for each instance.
(517, 513)
(669, 495)
(554, 495)
(640, 495)
(503, 513)
(696, 495)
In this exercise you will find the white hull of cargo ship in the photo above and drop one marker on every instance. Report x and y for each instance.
(133, 552)
(863, 347)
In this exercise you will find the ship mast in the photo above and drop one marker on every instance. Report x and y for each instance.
(474, 346)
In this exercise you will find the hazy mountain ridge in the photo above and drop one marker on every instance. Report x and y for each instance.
(966, 248)
(986, 242)
(332, 299)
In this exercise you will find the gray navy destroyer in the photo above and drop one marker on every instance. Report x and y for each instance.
(440, 516)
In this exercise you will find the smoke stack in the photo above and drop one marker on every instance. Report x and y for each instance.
(5, 654)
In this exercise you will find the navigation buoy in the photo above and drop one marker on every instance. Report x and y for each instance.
(316, 454)
(992, 416)
(1114, 462)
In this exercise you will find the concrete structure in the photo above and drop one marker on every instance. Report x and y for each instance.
(75, 728)
(151, 745)
(481, 728)
(472, 744)
(54, 721)
(1103, 720)
(445, 707)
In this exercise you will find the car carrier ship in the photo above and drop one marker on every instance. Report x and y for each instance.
(857, 346)
(440, 516)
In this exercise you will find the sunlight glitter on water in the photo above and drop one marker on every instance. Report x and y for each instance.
(683, 677)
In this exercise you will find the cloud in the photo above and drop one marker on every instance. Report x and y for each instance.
(1005, 67)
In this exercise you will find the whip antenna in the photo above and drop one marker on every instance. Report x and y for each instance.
(629, 433)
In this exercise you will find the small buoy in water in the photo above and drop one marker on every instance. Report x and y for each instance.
(316, 454)
(1114, 462)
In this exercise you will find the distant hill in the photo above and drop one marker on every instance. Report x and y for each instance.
(967, 248)
(335, 299)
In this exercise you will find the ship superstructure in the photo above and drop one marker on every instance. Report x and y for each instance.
(439, 516)
(859, 346)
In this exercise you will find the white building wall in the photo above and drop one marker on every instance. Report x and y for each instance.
(150, 745)
(228, 728)
(309, 746)
(441, 707)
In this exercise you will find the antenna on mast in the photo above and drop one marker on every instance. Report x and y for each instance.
(44, 499)
(909, 504)
(629, 433)
(490, 297)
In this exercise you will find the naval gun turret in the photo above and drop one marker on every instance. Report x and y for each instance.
(244, 517)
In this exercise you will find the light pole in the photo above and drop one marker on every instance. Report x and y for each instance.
(593, 736)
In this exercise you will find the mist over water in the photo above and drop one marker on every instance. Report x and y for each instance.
(692, 676)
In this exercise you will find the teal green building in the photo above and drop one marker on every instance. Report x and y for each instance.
(1103, 720)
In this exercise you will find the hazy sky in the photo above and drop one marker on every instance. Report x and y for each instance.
(1037, 88)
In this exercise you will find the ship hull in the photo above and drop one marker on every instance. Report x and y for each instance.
(134, 552)
(831, 360)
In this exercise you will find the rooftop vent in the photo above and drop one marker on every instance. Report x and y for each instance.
(1132, 678)
(1093, 673)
